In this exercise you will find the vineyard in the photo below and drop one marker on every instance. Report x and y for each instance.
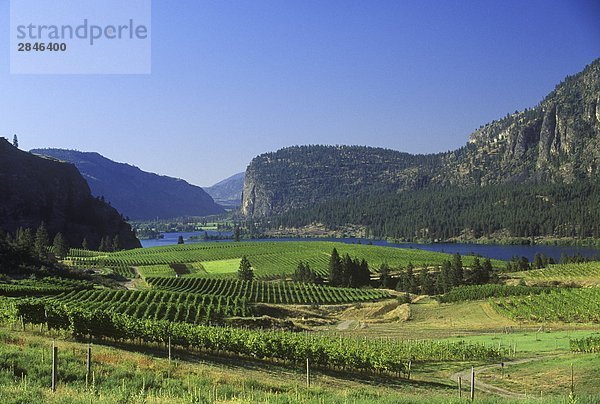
(586, 345)
(268, 259)
(479, 292)
(362, 355)
(564, 305)
(268, 292)
(587, 273)
(157, 305)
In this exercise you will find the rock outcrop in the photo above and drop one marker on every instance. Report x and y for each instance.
(557, 141)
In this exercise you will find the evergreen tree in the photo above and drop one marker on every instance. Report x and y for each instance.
(384, 276)
(245, 273)
(236, 233)
(364, 273)
(61, 247)
(25, 240)
(426, 282)
(180, 240)
(411, 284)
(477, 272)
(486, 271)
(15, 141)
(42, 241)
(457, 268)
(85, 244)
(349, 271)
(336, 275)
(538, 261)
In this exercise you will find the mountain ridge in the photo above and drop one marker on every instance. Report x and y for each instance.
(556, 141)
(136, 193)
(34, 189)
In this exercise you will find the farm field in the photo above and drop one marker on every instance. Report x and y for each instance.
(268, 292)
(583, 274)
(356, 338)
(269, 259)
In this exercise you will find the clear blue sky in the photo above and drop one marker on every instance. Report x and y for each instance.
(233, 79)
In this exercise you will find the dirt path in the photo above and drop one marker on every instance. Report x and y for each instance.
(465, 375)
(130, 284)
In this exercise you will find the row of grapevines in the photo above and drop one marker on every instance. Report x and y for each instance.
(158, 305)
(586, 345)
(479, 292)
(268, 292)
(323, 351)
(566, 305)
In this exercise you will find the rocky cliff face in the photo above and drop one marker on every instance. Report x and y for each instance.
(299, 176)
(135, 193)
(35, 189)
(556, 141)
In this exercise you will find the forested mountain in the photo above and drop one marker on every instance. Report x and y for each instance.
(548, 147)
(135, 193)
(496, 211)
(34, 189)
(228, 193)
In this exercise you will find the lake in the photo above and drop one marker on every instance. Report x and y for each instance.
(501, 252)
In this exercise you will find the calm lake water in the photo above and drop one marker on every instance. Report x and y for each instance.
(501, 252)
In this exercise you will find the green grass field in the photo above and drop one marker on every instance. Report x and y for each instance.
(229, 266)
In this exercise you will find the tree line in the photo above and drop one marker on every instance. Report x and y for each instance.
(519, 210)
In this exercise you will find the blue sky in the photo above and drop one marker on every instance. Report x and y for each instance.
(233, 79)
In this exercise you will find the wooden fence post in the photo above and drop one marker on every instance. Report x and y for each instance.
(409, 368)
(472, 383)
(169, 349)
(459, 387)
(54, 365)
(307, 373)
(88, 371)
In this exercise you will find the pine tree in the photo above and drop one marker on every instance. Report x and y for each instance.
(486, 270)
(336, 275)
(245, 273)
(538, 262)
(236, 233)
(61, 247)
(15, 141)
(180, 240)
(364, 273)
(426, 282)
(384, 275)
(457, 268)
(411, 284)
(84, 244)
(477, 272)
(42, 241)
(25, 240)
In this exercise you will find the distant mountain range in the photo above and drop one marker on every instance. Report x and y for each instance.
(34, 189)
(135, 193)
(551, 146)
(228, 193)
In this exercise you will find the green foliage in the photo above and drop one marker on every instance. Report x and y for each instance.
(565, 210)
(586, 345)
(268, 292)
(245, 273)
(565, 305)
(268, 258)
(479, 292)
(322, 351)
(60, 246)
